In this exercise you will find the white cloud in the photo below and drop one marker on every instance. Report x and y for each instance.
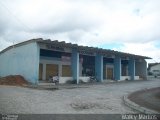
(145, 49)
(86, 22)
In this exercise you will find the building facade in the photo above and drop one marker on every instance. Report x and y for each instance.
(39, 59)
(154, 69)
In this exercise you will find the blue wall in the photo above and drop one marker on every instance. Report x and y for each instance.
(75, 65)
(117, 68)
(22, 60)
(99, 67)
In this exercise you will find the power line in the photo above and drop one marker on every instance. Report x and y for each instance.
(19, 21)
(15, 17)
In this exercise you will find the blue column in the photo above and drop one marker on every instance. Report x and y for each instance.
(117, 68)
(75, 65)
(131, 69)
(99, 67)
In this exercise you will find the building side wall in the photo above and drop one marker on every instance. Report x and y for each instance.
(141, 69)
(156, 67)
(22, 60)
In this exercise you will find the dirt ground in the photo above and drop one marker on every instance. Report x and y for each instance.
(149, 98)
(15, 80)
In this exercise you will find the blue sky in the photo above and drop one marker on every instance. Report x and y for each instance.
(111, 46)
(157, 44)
(130, 26)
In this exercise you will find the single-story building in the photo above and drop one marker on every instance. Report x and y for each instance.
(154, 69)
(38, 59)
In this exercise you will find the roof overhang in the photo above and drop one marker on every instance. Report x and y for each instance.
(81, 49)
(91, 50)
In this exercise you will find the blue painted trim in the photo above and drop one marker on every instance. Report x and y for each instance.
(99, 67)
(75, 65)
(108, 64)
(117, 68)
(50, 58)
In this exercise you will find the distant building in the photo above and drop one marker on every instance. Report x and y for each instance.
(154, 69)
(38, 59)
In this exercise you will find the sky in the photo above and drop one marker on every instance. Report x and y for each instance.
(131, 26)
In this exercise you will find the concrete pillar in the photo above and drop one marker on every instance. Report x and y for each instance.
(99, 67)
(127, 70)
(131, 69)
(80, 69)
(104, 71)
(44, 72)
(117, 68)
(75, 65)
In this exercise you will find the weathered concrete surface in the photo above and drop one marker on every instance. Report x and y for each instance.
(101, 98)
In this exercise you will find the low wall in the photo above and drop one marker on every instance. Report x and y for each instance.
(64, 79)
(128, 78)
(136, 77)
(125, 78)
(84, 79)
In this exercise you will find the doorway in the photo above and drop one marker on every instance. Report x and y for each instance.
(109, 73)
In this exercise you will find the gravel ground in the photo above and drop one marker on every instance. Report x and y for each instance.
(101, 98)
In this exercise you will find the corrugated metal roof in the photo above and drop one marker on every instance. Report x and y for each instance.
(80, 48)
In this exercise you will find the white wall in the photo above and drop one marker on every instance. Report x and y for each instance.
(125, 78)
(128, 78)
(155, 67)
(84, 79)
(65, 79)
